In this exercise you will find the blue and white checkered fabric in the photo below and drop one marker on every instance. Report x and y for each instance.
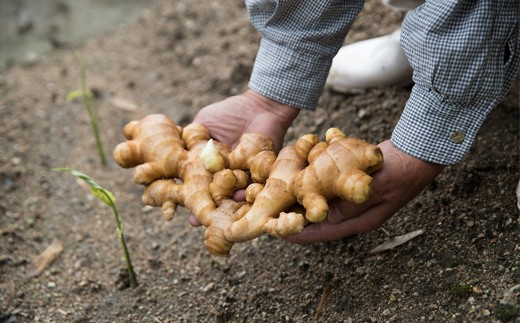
(300, 38)
(465, 55)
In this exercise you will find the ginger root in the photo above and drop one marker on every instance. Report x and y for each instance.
(284, 193)
(276, 196)
(156, 146)
(165, 154)
(154, 158)
(340, 169)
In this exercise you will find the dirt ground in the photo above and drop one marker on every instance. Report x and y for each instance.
(178, 57)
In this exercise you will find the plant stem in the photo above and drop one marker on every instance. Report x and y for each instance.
(130, 268)
(89, 104)
(106, 197)
(95, 128)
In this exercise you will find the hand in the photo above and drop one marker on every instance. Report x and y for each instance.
(249, 112)
(401, 179)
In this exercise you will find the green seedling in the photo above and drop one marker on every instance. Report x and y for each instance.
(109, 199)
(89, 102)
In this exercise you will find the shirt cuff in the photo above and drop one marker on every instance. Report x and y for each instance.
(433, 129)
(289, 77)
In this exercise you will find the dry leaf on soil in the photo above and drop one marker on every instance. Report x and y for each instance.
(45, 259)
(396, 241)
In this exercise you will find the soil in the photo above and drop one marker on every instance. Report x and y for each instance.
(178, 57)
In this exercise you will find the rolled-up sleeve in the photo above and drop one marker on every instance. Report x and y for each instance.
(299, 40)
(465, 55)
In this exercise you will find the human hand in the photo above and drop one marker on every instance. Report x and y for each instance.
(249, 112)
(401, 179)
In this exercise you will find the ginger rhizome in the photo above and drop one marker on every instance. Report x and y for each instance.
(276, 196)
(164, 154)
(284, 192)
(339, 169)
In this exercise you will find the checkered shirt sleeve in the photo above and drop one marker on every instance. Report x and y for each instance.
(299, 40)
(465, 55)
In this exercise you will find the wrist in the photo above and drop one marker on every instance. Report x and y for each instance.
(282, 112)
(267, 116)
(427, 170)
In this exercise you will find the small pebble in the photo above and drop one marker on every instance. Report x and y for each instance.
(7, 183)
(208, 287)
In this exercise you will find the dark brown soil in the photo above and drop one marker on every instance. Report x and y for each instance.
(177, 58)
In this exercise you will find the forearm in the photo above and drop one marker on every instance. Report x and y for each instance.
(300, 38)
(465, 55)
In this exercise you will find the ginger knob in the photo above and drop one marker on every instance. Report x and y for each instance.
(211, 158)
(340, 170)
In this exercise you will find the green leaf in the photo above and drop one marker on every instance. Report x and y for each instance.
(103, 195)
(74, 94)
(96, 190)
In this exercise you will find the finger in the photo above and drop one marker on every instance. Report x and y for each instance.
(340, 210)
(371, 219)
(239, 196)
(194, 221)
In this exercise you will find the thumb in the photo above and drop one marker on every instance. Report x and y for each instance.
(192, 219)
(371, 219)
(340, 210)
